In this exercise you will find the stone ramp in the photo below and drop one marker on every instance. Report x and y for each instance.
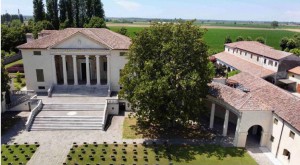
(79, 91)
(69, 117)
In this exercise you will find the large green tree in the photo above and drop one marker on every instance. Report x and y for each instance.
(38, 10)
(98, 8)
(5, 79)
(167, 73)
(96, 22)
(52, 13)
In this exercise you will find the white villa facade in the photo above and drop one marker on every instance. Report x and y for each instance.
(75, 57)
(95, 57)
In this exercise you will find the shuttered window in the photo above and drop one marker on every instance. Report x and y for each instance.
(37, 53)
(40, 75)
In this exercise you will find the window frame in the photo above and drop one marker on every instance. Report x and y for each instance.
(37, 75)
(37, 53)
(292, 134)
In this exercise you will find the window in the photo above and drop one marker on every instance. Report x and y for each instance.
(245, 53)
(228, 50)
(271, 62)
(257, 58)
(122, 53)
(293, 75)
(272, 138)
(265, 61)
(240, 52)
(39, 75)
(275, 64)
(292, 134)
(37, 53)
(251, 56)
(41, 87)
(105, 66)
(275, 121)
(287, 154)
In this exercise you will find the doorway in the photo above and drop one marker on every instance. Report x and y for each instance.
(254, 136)
(83, 71)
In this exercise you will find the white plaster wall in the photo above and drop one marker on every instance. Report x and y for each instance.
(275, 132)
(247, 56)
(113, 108)
(21, 107)
(251, 118)
(292, 145)
(117, 62)
(80, 41)
(33, 62)
(295, 78)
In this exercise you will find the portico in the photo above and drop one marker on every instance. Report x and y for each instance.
(81, 67)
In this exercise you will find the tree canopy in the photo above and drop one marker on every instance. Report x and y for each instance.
(38, 10)
(167, 74)
(4, 81)
(228, 40)
(274, 24)
(96, 22)
(261, 40)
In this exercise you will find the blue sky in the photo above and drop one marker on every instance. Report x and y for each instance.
(260, 10)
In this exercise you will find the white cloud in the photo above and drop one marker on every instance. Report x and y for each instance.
(128, 5)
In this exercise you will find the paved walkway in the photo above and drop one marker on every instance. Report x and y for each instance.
(262, 156)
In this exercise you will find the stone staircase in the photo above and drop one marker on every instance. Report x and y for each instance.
(69, 117)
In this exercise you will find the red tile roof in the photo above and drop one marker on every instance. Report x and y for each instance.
(104, 36)
(243, 65)
(295, 70)
(262, 96)
(260, 49)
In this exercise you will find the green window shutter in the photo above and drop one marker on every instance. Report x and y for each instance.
(37, 53)
(40, 75)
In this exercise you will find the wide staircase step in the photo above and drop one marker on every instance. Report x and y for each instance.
(69, 117)
(80, 91)
(67, 107)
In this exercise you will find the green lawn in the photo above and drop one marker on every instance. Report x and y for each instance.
(157, 154)
(13, 63)
(17, 154)
(128, 129)
(215, 37)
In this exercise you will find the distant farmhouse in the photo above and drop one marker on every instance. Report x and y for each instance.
(83, 67)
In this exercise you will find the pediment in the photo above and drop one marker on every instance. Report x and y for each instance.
(79, 41)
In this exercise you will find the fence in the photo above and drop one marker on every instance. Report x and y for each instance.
(13, 58)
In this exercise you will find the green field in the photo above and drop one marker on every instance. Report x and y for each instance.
(215, 37)
(157, 154)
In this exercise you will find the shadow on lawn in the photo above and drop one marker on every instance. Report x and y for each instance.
(182, 132)
(187, 153)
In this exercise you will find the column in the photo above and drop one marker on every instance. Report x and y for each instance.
(212, 115)
(64, 69)
(225, 125)
(237, 129)
(87, 61)
(75, 70)
(108, 73)
(98, 70)
(54, 70)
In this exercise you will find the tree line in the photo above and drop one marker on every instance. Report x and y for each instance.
(69, 13)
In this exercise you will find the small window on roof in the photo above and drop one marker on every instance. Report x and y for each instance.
(276, 64)
(275, 121)
(122, 53)
(292, 134)
(287, 153)
(272, 138)
(265, 61)
(37, 53)
(271, 62)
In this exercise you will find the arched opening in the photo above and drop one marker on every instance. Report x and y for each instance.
(254, 136)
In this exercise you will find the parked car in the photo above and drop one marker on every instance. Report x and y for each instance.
(16, 68)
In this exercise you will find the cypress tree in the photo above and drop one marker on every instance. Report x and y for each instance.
(62, 11)
(98, 9)
(38, 10)
(52, 13)
(70, 12)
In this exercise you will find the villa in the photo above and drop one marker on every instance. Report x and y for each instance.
(79, 69)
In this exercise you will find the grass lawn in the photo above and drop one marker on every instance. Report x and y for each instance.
(13, 63)
(157, 154)
(134, 130)
(17, 154)
(215, 37)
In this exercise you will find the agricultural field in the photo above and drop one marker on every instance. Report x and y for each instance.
(157, 154)
(215, 37)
